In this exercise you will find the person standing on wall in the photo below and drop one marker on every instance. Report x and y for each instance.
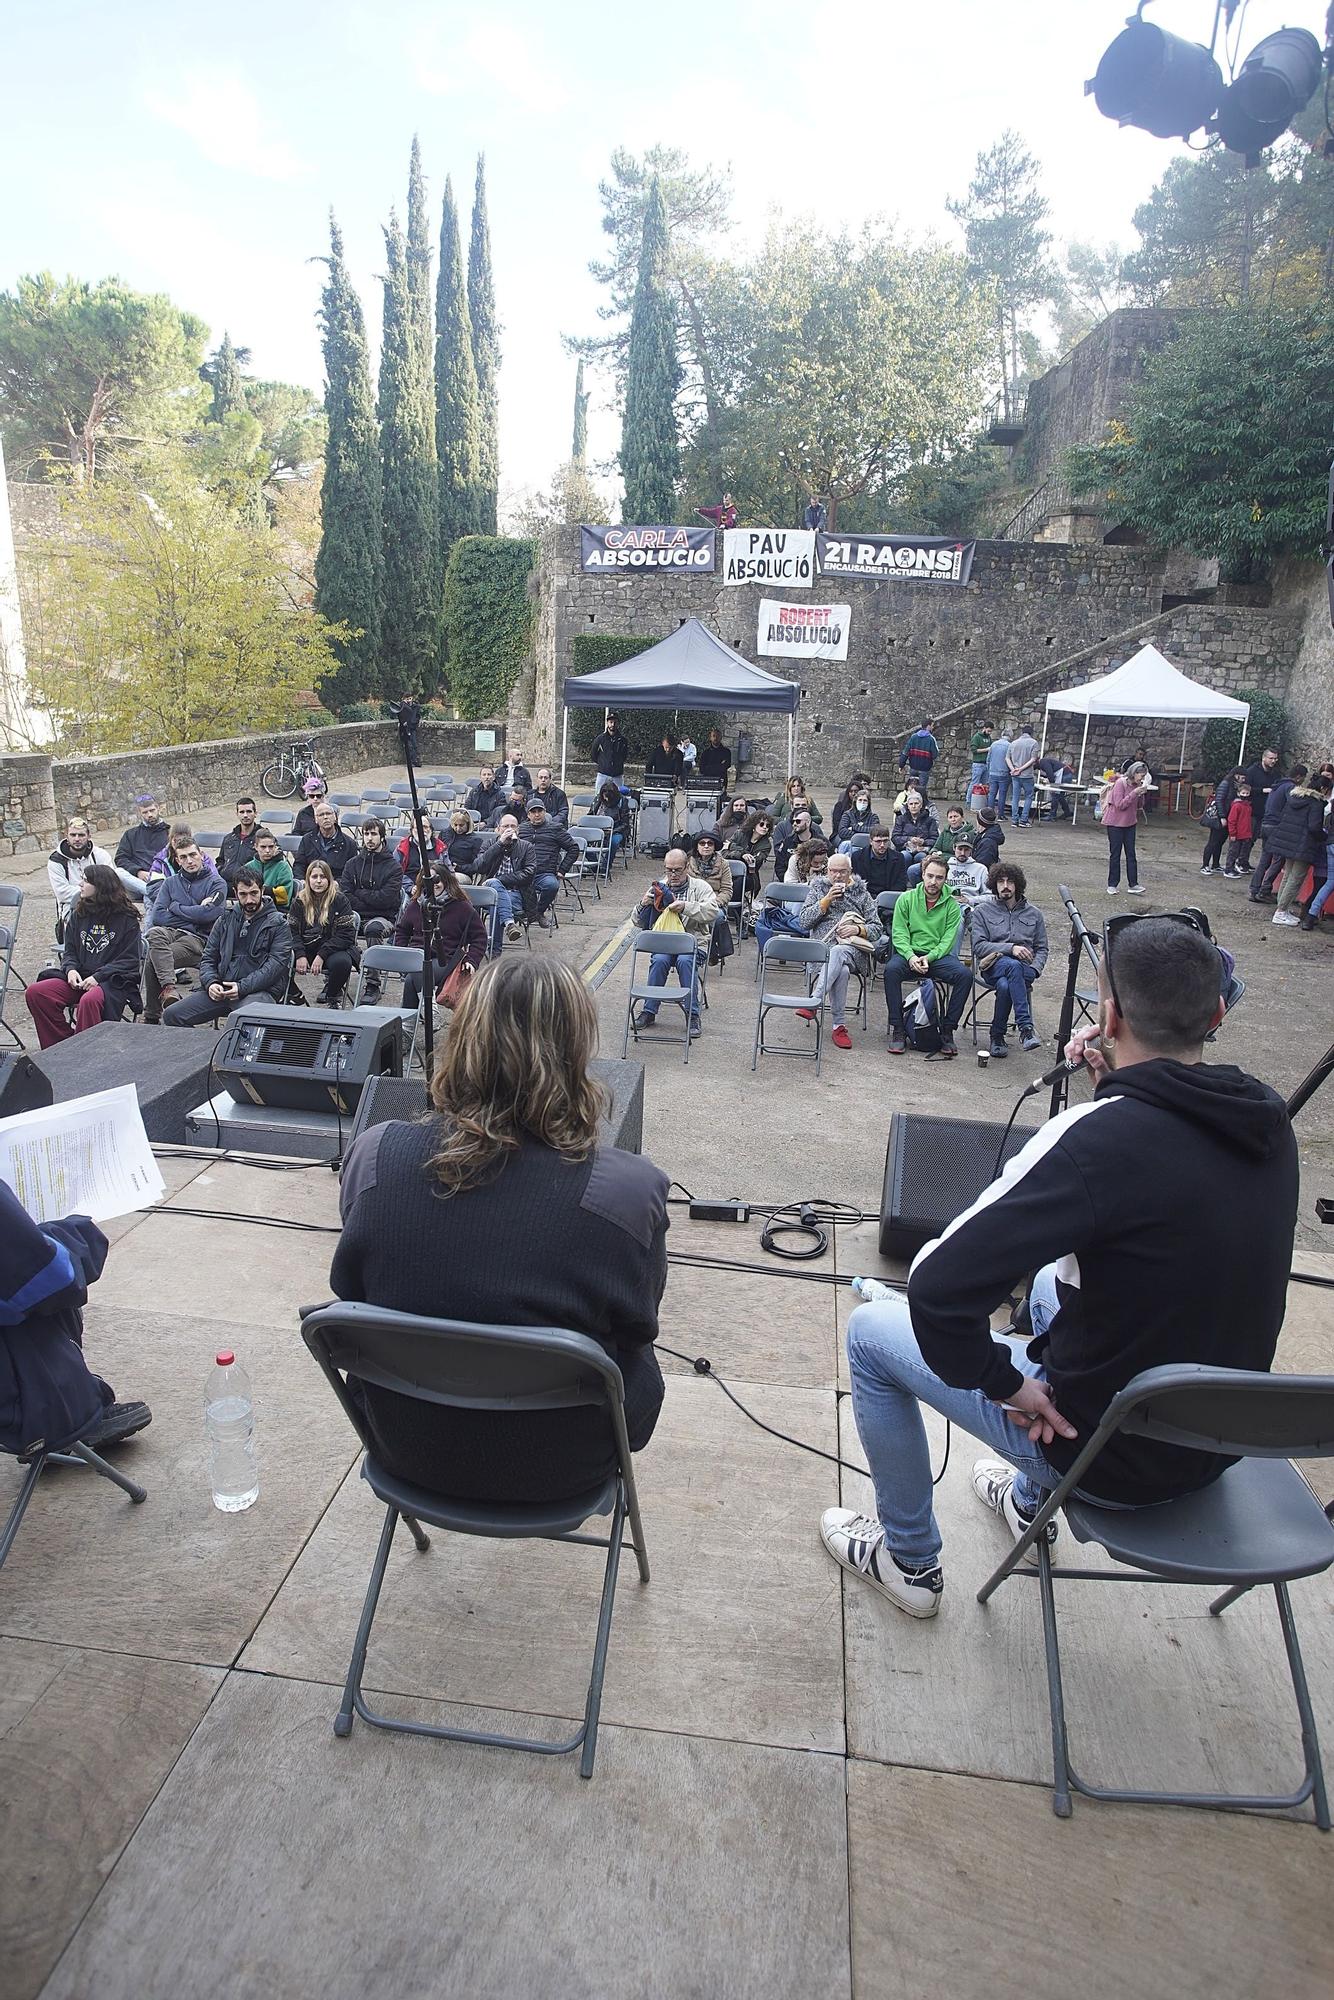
(816, 517)
(1120, 817)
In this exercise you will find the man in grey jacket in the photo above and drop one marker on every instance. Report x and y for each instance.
(248, 956)
(188, 905)
(839, 909)
(1009, 952)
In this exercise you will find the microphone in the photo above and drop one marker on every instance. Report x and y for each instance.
(1054, 1075)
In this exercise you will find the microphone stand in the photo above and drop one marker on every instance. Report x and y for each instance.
(425, 853)
(1081, 941)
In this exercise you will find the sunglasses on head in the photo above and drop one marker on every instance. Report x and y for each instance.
(1193, 920)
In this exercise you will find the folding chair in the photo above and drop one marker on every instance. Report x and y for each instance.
(36, 1459)
(290, 843)
(594, 846)
(782, 950)
(736, 902)
(483, 897)
(402, 962)
(282, 819)
(376, 798)
(584, 799)
(466, 1366)
(569, 881)
(789, 895)
(604, 824)
(209, 843)
(678, 946)
(10, 899)
(1259, 1523)
(345, 798)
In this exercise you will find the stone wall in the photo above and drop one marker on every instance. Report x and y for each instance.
(28, 805)
(1073, 403)
(1300, 589)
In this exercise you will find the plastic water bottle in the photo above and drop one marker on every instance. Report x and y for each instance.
(229, 1417)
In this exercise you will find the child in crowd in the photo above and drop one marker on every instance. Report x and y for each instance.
(273, 869)
(1240, 830)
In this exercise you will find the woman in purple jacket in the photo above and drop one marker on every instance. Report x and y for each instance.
(1120, 816)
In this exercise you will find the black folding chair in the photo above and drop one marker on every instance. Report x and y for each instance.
(11, 900)
(1259, 1523)
(36, 1459)
(466, 1366)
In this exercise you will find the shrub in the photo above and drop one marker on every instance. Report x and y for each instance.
(489, 618)
(1266, 730)
(644, 728)
(361, 711)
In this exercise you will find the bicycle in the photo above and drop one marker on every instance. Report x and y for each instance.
(289, 771)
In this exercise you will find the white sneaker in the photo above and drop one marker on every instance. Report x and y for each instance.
(1284, 917)
(1114, 892)
(1206, 871)
(993, 1483)
(1135, 889)
(857, 1541)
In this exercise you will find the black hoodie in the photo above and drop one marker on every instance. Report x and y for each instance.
(1168, 1204)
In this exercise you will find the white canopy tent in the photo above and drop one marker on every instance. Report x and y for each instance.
(1149, 686)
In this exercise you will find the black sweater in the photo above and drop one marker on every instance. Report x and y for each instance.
(373, 884)
(108, 952)
(459, 932)
(545, 1243)
(1138, 1194)
(312, 940)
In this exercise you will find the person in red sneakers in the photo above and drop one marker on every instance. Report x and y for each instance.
(839, 910)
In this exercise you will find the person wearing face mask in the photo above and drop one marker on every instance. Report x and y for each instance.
(860, 817)
(66, 866)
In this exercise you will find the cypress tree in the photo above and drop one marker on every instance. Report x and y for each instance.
(410, 511)
(458, 421)
(650, 460)
(228, 390)
(579, 447)
(349, 575)
(485, 349)
(419, 252)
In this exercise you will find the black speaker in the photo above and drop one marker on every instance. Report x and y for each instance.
(307, 1058)
(386, 1097)
(22, 1085)
(935, 1168)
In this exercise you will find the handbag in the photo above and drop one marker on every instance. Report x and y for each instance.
(1211, 817)
(454, 985)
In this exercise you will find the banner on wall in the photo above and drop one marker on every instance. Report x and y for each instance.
(803, 631)
(927, 558)
(648, 548)
(783, 556)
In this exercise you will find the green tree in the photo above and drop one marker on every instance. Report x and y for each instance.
(485, 350)
(292, 426)
(85, 368)
(1002, 217)
(1093, 284)
(349, 569)
(650, 452)
(410, 628)
(222, 372)
(458, 419)
(571, 498)
(579, 445)
(156, 613)
(419, 251)
(489, 621)
(1224, 446)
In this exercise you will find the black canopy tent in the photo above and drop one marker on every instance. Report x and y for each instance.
(693, 668)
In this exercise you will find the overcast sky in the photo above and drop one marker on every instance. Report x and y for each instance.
(197, 151)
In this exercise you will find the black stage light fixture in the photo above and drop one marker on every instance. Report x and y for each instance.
(1277, 79)
(1157, 82)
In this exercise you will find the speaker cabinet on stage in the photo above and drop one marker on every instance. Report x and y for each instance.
(935, 1168)
(307, 1058)
(22, 1085)
(386, 1097)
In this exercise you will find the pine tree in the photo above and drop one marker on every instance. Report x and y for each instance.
(579, 448)
(458, 420)
(349, 573)
(419, 251)
(650, 459)
(410, 509)
(485, 349)
(225, 375)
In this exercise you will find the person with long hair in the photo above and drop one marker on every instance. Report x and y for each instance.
(755, 845)
(460, 934)
(793, 797)
(463, 847)
(503, 1207)
(323, 933)
(98, 975)
(611, 803)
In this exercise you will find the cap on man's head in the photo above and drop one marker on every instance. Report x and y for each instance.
(146, 799)
(963, 844)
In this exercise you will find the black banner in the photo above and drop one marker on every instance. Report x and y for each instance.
(647, 548)
(902, 558)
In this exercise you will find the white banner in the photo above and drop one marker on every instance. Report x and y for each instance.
(803, 631)
(784, 556)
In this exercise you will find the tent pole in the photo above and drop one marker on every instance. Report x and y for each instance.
(564, 745)
(1181, 762)
(1245, 725)
(1083, 749)
(791, 742)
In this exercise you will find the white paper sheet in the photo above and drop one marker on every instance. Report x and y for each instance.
(90, 1156)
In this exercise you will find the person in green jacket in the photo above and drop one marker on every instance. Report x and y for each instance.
(274, 869)
(928, 922)
(956, 827)
(978, 745)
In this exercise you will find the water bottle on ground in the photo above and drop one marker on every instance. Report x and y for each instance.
(229, 1417)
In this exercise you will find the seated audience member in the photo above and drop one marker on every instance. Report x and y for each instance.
(665, 761)
(247, 957)
(955, 824)
(731, 821)
(407, 854)
(553, 853)
(274, 869)
(373, 885)
(753, 845)
(486, 796)
(510, 1157)
(915, 852)
(460, 934)
(918, 818)
(509, 862)
(860, 817)
(516, 802)
(312, 791)
(809, 859)
(880, 866)
(677, 901)
(707, 865)
(1184, 1261)
(925, 931)
(98, 976)
(794, 798)
(1009, 952)
(238, 846)
(179, 834)
(187, 906)
(67, 865)
(715, 759)
(788, 836)
(612, 804)
(990, 837)
(139, 846)
(513, 775)
(860, 781)
(328, 843)
(967, 878)
(839, 909)
(463, 847)
(553, 798)
(324, 935)
(48, 1393)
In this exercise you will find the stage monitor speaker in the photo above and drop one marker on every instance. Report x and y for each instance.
(935, 1168)
(22, 1085)
(386, 1097)
(307, 1058)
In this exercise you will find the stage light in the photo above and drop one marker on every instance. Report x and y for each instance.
(1277, 79)
(1157, 82)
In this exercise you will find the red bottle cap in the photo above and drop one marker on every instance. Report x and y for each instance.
(226, 1358)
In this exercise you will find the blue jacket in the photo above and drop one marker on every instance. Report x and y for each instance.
(47, 1390)
(190, 902)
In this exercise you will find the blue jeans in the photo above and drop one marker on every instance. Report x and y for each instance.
(889, 1381)
(975, 776)
(998, 791)
(950, 969)
(659, 966)
(1009, 979)
(1321, 897)
(1022, 796)
(545, 890)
